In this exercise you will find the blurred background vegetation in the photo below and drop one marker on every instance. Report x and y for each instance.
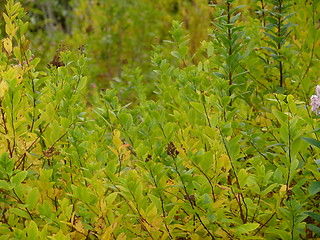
(119, 37)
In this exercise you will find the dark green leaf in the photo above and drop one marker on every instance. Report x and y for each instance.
(314, 187)
(312, 141)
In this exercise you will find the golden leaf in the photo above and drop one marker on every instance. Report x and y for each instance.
(7, 45)
(3, 88)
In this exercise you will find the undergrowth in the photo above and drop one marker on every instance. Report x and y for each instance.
(225, 147)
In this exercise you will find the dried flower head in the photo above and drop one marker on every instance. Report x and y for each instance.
(172, 150)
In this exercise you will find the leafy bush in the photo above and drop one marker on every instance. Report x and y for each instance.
(226, 148)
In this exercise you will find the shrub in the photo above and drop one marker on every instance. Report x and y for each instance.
(221, 151)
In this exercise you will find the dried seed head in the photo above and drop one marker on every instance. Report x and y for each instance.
(172, 150)
(190, 198)
(149, 158)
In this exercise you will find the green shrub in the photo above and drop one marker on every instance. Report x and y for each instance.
(223, 149)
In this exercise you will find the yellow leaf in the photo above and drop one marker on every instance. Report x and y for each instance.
(77, 224)
(153, 211)
(3, 88)
(122, 236)
(223, 187)
(221, 233)
(224, 162)
(217, 204)
(109, 232)
(116, 139)
(113, 150)
(7, 45)
(100, 225)
(195, 237)
(6, 18)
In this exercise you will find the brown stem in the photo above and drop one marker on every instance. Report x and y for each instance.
(244, 219)
(191, 202)
(6, 131)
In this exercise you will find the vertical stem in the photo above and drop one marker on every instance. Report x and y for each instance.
(162, 204)
(279, 43)
(230, 46)
(6, 130)
(263, 14)
(244, 217)
(190, 201)
(289, 155)
(281, 73)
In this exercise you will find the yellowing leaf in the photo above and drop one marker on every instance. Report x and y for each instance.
(78, 225)
(7, 45)
(122, 236)
(113, 150)
(221, 233)
(153, 211)
(17, 53)
(100, 225)
(32, 198)
(224, 162)
(195, 237)
(19, 177)
(3, 88)
(108, 232)
(283, 190)
(116, 139)
(218, 203)
(6, 18)
(111, 197)
(60, 236)
(248, 227)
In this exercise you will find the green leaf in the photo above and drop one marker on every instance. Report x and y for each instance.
(198, 106)
(19, 177)
(316, 130)
(270, 50)
(234, 147)
(20, 213)
(32, 198)
(294, 165)
(281, 117)
(81, 61)
(111, 197)
(33, 231)
(5, 185)
(82, 83)
(314, 228)
(45, 209)
(268, 189)
(314, 188)
(176, 54)
(314, 215)
(312, 141)
(126, 120)
(44, 234)
(50, 112)
(24, 28)
(206, 199)
(248, 227)
(17, 53)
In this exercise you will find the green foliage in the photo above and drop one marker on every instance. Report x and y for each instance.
(228, 43)
(115, 34)
(216, 151)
